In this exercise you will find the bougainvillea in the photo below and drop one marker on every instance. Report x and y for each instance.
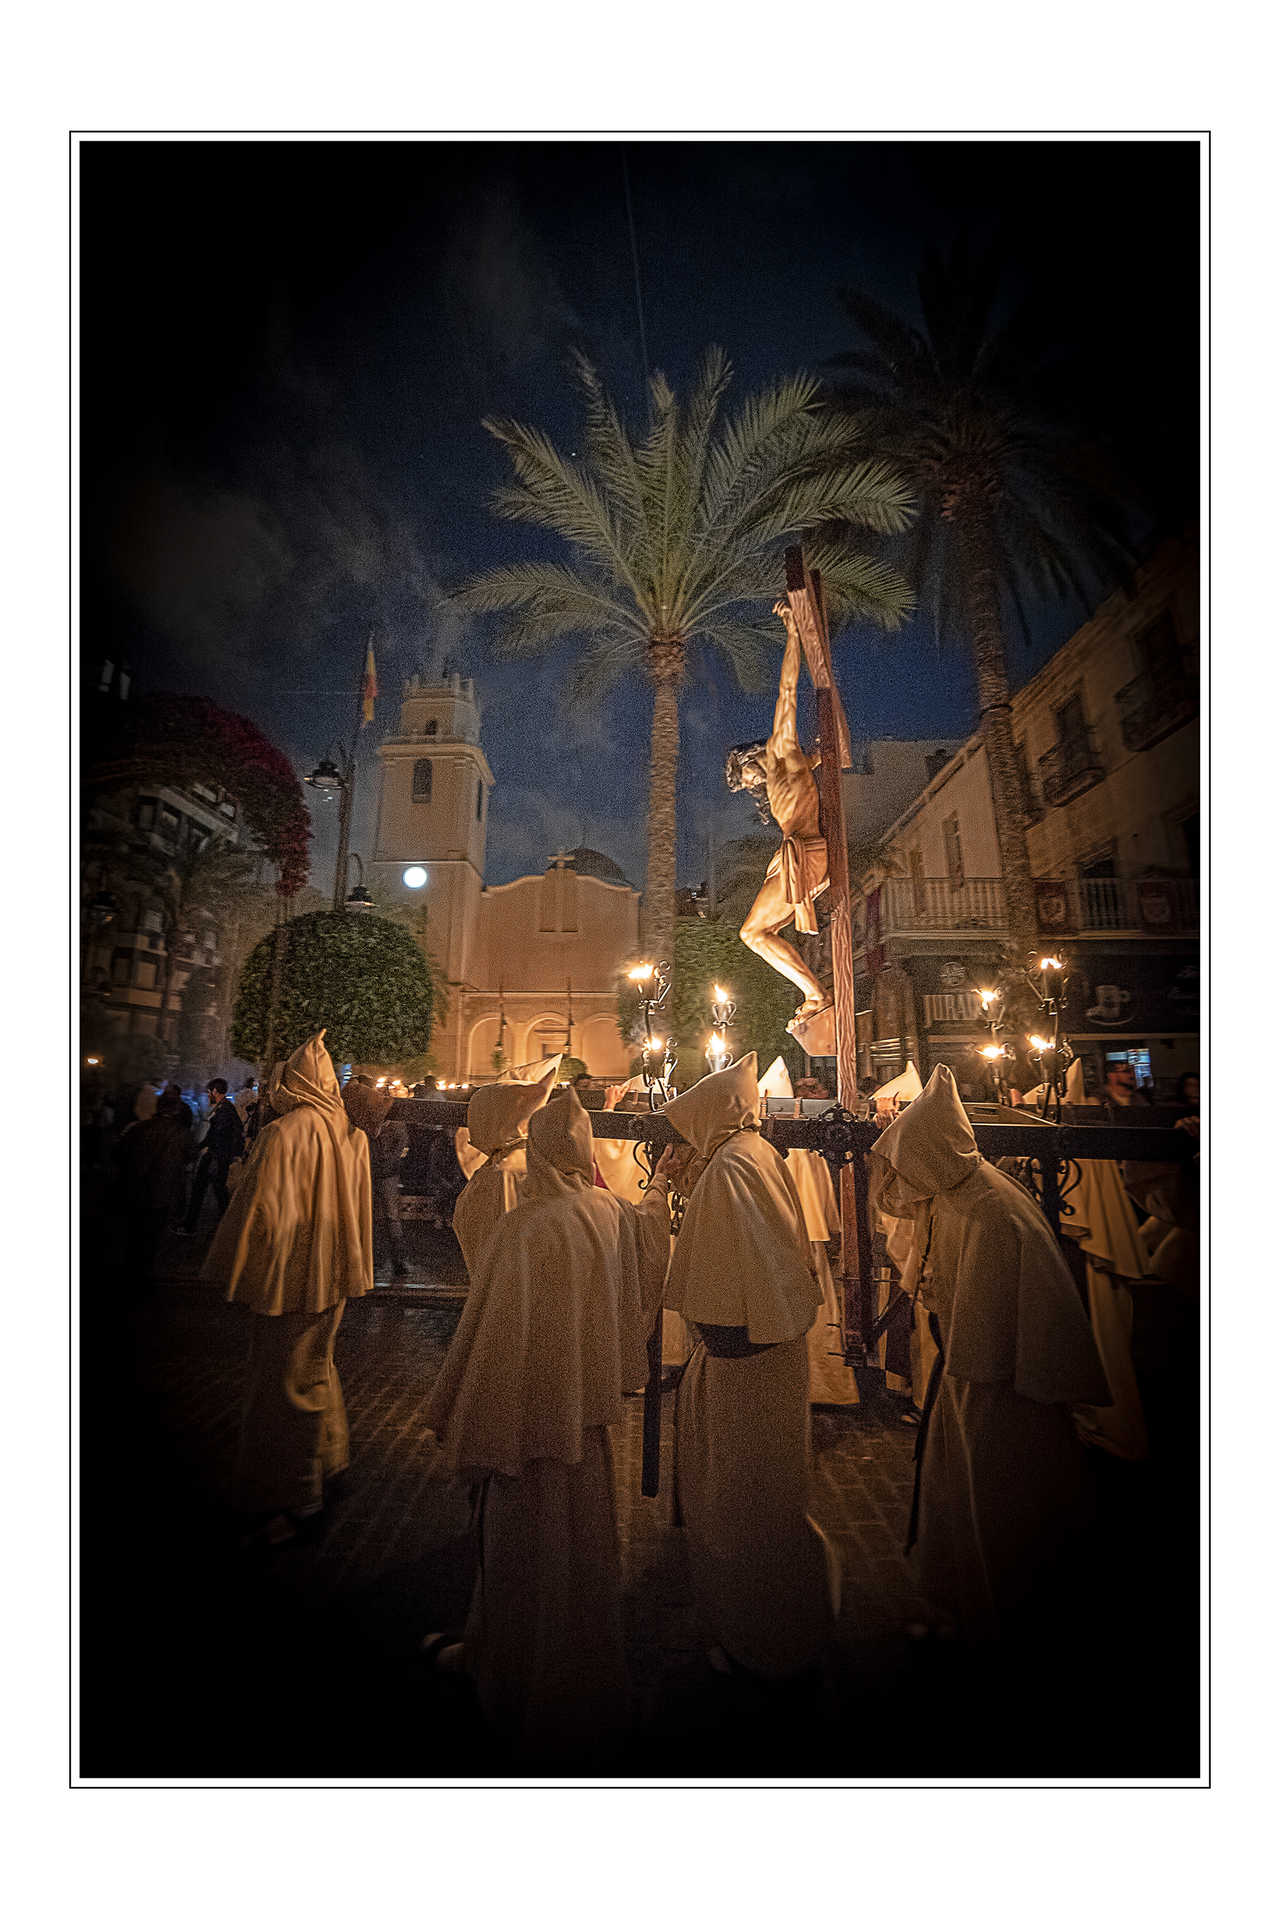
(185, 740)
(364, 980)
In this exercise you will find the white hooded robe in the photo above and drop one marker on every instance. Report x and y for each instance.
(1002, 1488)
(497, 1118)
(553, 1334)
(765, 1578)
(295, 1244)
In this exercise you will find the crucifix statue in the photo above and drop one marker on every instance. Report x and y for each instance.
(778, 773)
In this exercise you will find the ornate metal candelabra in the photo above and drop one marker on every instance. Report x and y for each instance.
(722, 1012)
(995, 1051)
(1048, 979)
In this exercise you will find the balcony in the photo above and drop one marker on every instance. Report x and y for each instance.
(942, 906)
(1156, 705)
(1135, 906)
(1070, 769)
(1155, 905)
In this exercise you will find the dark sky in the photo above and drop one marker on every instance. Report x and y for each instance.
(287, 349)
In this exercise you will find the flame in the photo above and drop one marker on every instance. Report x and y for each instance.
(644, 972)
(987, 995)
(720, 996)
(1037, 1044)
(992, 1053)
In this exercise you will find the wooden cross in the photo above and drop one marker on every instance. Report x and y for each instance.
(805, 597)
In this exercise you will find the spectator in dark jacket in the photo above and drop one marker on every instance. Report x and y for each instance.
(373, 1110)
(223, 1143)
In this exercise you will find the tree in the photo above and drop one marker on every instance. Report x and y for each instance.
(1014, 504)
(674, 536)
(364, 980)
(708, 953)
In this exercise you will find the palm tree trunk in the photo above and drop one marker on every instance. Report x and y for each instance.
(995, 722)
(658, 918)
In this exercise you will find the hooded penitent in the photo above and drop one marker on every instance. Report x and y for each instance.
(808, 1171)
(298, 1234)
(1007, 1304)
(497, 1119)
(563, 1296)
(906, 1087)
(742, 1257)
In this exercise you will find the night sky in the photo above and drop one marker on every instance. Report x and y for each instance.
(287, 350)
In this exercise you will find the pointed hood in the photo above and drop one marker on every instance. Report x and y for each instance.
(931, 1145)
(298, 1235)
(306, 1079)
(776, 1084)
(717, 1107)
(537, 1070)
(559, 1155)
(906, 1087)
(1075, 1094)
(367, 1107)
(498, 1115)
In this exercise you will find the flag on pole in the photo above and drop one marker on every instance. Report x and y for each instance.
(368, 689)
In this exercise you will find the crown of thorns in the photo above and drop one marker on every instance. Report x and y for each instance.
(734, 763)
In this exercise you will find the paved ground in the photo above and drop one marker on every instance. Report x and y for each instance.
(198, 1662)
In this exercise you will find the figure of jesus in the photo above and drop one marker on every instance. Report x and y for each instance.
(780, 770)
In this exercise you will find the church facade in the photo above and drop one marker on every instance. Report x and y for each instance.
(532, 965)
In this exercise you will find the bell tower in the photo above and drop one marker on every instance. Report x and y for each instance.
(433, 814)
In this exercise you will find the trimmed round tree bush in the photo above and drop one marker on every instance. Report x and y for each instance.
(363, 979)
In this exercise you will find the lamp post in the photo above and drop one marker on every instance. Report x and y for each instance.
(328, 777)
(359, 900)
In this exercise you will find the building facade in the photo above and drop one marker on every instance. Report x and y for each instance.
(1108, 740)
(532, 965)
(127, 950)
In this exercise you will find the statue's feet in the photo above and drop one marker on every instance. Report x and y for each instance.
(806, 1011)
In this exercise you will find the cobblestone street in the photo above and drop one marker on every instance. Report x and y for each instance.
(201, 1661)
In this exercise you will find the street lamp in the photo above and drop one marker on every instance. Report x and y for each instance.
(330, 777)
(359, 900)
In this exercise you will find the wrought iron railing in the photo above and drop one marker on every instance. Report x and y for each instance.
(1070, 768)
(1155, 705)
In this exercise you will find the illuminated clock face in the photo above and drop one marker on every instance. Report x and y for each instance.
(414, 876)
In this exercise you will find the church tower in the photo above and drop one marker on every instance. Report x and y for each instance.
(433, 810)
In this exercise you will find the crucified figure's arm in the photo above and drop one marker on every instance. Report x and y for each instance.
(784, 739)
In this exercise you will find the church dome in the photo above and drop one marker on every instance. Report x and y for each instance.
(595, 866)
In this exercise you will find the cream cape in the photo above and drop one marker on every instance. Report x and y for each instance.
(1003, 1293)
(298, 1234)
(563, 1297)
(497, 1116)
(742, 1256)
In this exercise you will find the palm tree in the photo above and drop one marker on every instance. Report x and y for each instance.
(674, 537)
(1014, 505)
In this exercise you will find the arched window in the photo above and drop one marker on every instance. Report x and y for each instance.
(479, 798)
(430, 730)
(422, 771)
